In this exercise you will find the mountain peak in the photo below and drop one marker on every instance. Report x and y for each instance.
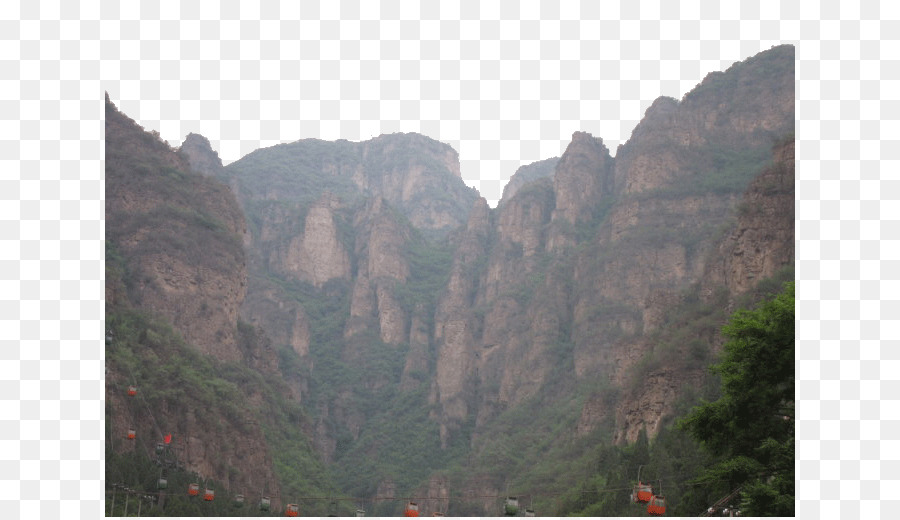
(200, 154)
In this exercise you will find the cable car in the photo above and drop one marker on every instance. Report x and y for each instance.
(162, 483)
(529, 512)
(160, 447)
(657, 506)
(642, 493)
(209, 495)
(412, 509)
(238, 500)
(360, 513)
(193, 489)
(264, 503)
(130, 435)
(132, 391)
(292, 510)
(512, 506)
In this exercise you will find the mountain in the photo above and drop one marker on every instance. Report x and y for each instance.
(176, 275)
(424, 344)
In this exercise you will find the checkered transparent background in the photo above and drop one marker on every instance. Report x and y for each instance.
(504, 84)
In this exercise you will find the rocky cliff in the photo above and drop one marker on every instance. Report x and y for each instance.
(180, 235)
(175, 259)
(421, 328)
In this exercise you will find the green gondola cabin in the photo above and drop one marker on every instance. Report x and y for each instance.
(512, 506)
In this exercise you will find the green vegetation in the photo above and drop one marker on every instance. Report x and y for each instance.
(429, 270)
(295, 171)
(752, 424)
(176, 382)
(742, 436)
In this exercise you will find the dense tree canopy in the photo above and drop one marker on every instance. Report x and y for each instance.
(752, 424)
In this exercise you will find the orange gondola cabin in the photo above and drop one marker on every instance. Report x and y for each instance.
(412, 509)
(657, 506)
(642, 493)
(209, 495)
(132, 391)
(130, 435)
(292, 510)
(193, 489)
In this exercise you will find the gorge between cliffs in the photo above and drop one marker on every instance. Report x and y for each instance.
(349, 320)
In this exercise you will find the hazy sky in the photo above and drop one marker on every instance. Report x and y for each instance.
(503, 87)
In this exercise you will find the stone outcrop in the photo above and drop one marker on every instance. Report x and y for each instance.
(526, 174)
(317, 255)
(582, 178)
(200, 155)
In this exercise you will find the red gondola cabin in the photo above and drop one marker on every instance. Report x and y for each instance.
(657, 506)
(193, 489)
(642, 493)
(292, 510)
(209, 495)
(412, 509)
(132, 391)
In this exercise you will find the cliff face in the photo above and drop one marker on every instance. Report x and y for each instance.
(762, 241)
(174, 255)
(180, 234)
(331, 213)
(589, 269)
(758, 246)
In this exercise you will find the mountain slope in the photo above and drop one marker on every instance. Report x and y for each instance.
(175, 278)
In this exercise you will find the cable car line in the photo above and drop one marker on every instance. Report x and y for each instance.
(641, 493)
